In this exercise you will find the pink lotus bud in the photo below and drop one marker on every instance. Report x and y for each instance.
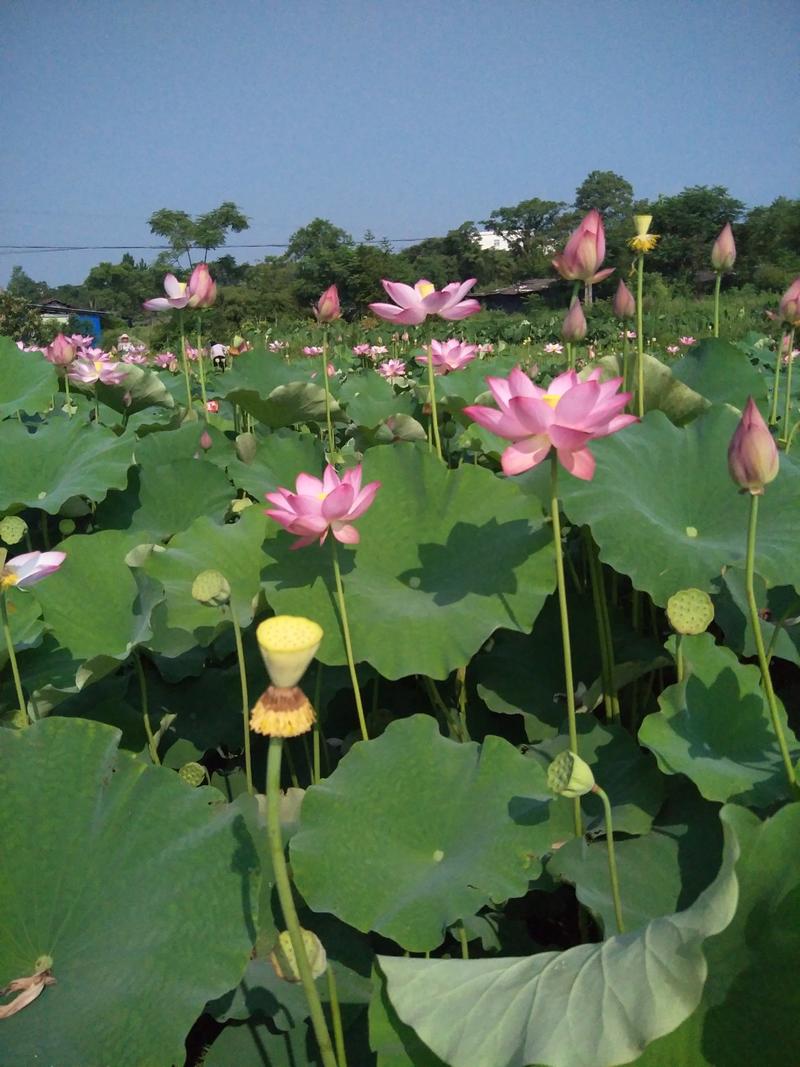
(327, 307)
(202, 289)
(752, 453)
(789, 307)
(624, 305)
(205, 440)
(723, 251)
(584, 251)
(212, 406)
(574, 326)
(61, 352)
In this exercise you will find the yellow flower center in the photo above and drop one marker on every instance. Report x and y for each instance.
(98, 365)
(425, 288)
(7, 579)
(551, 399)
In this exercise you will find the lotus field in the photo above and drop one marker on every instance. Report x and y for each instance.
(414, 704)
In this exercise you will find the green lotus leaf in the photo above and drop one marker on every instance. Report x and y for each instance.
(460, 825)
(663, 391)
(255, 1044)
(28, 382)
(275, 392)
(445, 558)
(664, 511)
(595, 1005)
(183, 442)
(715, 728)
(779, 612)
(461, 387)
(278, 459)
(141, 388)
(721, 372)
(63, 458)
(24, 619)
(369, 399)
(394, 1043)
(111, 893)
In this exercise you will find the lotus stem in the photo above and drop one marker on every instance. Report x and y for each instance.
(348, 646)
(437, 441)
(612, 859)
(12, 658)
(200, 363)
(462, 937)
(336, 1017)
(326, 386)
(610, 698)
(185, 363)
(717, 285)
(152, 745)
(248, 765)
(284, 888)
(640, 336)
(787, 407)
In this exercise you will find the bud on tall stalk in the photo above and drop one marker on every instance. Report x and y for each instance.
(752, 453)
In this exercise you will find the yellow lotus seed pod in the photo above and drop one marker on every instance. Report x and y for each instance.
(284, 961)
(288, 643)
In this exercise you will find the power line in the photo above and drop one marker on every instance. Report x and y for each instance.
(10, 250)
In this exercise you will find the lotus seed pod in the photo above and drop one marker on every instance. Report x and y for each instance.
(66, 527)
(284, 960)
(12, 529)
(288, 643)
(690, 611)
(570, 776)
(193, 774)
(212, 588)
(246, 447)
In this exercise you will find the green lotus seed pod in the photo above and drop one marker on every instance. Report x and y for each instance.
(66, 527)
(284, 960)
(690, 611)
(211, 587)
(193, 774)
(12, 529)
(570, 776)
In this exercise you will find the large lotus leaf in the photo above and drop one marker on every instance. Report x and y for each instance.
(779, 612)
(664, 511)
(161, 500)
(64, 458)
(721, 372)
(102, 858)
(92, 603)
(141, 388)
(274, 392)
(369, 399)
(413, 832)
(180, 622)
(394, 1043)
(445, 558)
(659, 873)
(662, 390)
(25, 621)
(278, 459)
(590, 1006)
(255, 1044)
(28, 382)
(751, 997)
(628, 775)
(183, 442)
(715, 728)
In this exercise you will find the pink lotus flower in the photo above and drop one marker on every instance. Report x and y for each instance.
(413, 304)
(199, 292)
(566, 416)
(331, 372)
(789, 307)
(486, 349)
(573, 328)
(584, 252)
(61, 351)
(624, 305)
(723, 251)
(80, 340)
(687, 341)
(29, 348)
(673, 350)
(278, 346)
(361, 350)
(449, 355)
(327, 308)
(28, 569)
(212, 406)
(554, 348)
(316, 506)
(377, 350)
(312, 350)
(135, 357)
(104, 371)
(392, 368)
(752, 454)
(165, 359)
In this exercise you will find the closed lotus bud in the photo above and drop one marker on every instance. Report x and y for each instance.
(201, 288)
(61, 352)
(288, 643)
(570, 776)
(574, 326)
(752, 454)
(624, 304)
(327, 307)
(284, 961)
(789, 307)
(212, 588)
(205, 440)
(723, 251)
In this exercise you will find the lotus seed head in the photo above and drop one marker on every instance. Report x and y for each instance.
(690, 611)
(212, 588)
(570, 776)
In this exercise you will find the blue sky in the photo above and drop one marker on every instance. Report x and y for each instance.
(403, 117)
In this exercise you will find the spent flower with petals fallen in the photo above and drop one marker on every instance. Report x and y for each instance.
(643, 241)
(449, 355)
(89, 371)
(553, 348)
(584, 252)
(327, 308)
(392, 368)
(687, 341)
(28, 569)
(566, 416)
(413, 304)
(318, 506)
(199, 292)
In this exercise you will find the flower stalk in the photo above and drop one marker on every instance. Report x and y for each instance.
(612, 859)
(348, 645)
(787, 407)
(12, 658)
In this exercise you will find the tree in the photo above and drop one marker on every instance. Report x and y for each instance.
(323, 255)
(769, 244)
(688, 223)
(609, 193)
(208, 231)
(21, 322)
(527, 226)
(21, 285)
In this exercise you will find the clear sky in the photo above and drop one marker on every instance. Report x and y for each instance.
(400, 116)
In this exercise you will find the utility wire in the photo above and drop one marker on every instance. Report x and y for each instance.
(10, 250)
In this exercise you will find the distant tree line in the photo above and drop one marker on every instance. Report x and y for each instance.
(284, 286)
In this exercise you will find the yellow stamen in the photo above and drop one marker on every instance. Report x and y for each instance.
(425, 288)
(551, 399)
(7, 579)
(282, 712)
(644, 243)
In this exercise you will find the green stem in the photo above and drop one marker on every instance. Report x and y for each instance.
(717, 284)
(43, 528)
(432, 401)
(284, 888)
(185, 362)
(570, 359)
(461, 683)
(152, 745)
(680, 669)
(248, 765)
(626, 359)
(787, 407)
(755, 623)
(640, 337)
(612, 859)
(326, 385)
(773, 409)
(336, 1016)
(348, 647)
(66, 394)
(200, 363)
(565, 642)
(462, 937)
(450, 719)
(12, 657)
(603, 626)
